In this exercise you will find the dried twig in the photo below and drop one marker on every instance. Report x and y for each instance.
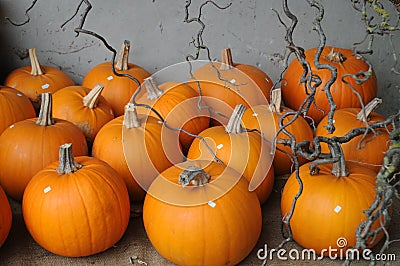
(26, 14)
(313, 152)
(199, 44)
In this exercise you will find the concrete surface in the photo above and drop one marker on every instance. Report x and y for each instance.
(160, 38)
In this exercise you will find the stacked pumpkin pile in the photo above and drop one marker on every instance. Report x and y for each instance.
(91, 150)
(333, 200)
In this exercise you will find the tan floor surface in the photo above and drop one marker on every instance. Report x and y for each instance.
(135, 249)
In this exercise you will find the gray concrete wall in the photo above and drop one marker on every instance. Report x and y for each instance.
(160, 38)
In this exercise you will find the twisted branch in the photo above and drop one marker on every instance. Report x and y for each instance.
(199, 45)
(26, 15)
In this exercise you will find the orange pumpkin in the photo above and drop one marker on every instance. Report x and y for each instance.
(188, 226)
(177, 104)
(246, 152)
(36, 79)
(144, 136)
(5, 217)
(226, 84)
(86, 108)
(32, 144)
(345, 62)
(266, 119)
(118, 91)
(14, 107)
(368, 152)
(76, 207)
(330, 207)
(141, 144)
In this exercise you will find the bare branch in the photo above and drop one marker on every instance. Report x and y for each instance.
(26, 15)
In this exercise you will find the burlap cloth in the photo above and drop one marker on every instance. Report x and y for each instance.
(135, 248)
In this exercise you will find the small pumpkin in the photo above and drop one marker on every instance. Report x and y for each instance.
(368, 152)
(35, 79)
(330, 207)
(14, 107)
(5, 217)
(246, 152)
(32, 144)
(146, 147)
(266, 119)
(345, 62)
(76, 206)
(144, 136)
(84, 107)
(117, 91)
(177, 104)
(226, 84)
(188, 226)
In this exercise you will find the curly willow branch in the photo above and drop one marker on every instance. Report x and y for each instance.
(299, 53)
(26, 15)
(80, 29)
(380, 209)
(114, 55)
(198, 43)
(313, 152)
(383, 27)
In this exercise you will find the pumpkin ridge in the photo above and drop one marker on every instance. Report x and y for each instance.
(93, 180)
(355, 184)
(153, 134)
(60, 217)
(74, 178)
(111, 184)
(227, 229)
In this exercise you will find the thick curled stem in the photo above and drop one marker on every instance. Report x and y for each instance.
(193, 175)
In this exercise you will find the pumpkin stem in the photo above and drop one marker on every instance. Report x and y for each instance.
(335, 57)
(364, 114)
(46, 107)
(276, 99)
(123, 55)
(234, 125)
(193, 175)
(226, 59)
(153, 92)
(339, 168)
(67, 164)
(131, 119)
(36, 70)
(92, 98)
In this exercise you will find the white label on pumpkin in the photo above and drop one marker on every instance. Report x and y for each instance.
(19, 94)
(255, 114)
(220, 146)
(110, 77)
(12, 126)
(45, 86)
(232, 81)
(212, 204)
(47, 189)
(337, 209)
